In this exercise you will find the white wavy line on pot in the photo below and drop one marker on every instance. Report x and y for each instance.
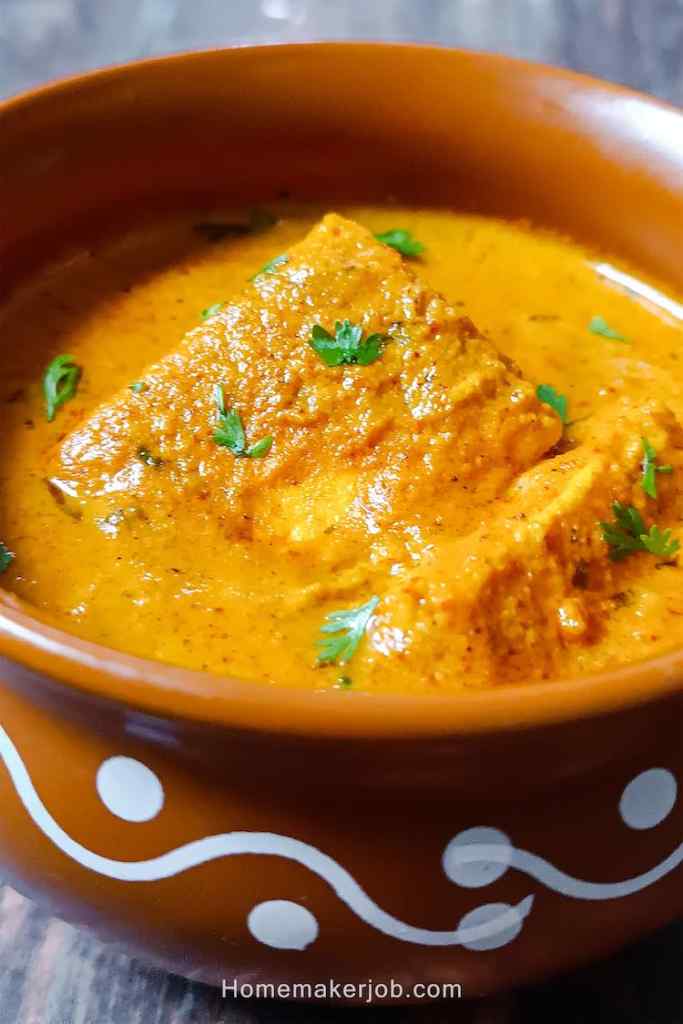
(230, 844)
(566, 885)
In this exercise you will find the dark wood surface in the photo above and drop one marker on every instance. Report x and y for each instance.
(51, 973)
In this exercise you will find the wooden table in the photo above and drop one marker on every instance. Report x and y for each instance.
(51, 973)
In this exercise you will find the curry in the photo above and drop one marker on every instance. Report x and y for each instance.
(327, 451)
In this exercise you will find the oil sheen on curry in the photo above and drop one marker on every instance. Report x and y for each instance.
(381, 449)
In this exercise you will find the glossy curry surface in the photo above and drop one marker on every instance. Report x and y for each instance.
(433, 482)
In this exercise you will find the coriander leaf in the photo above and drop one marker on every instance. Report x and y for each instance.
(628, 518)
(138, 387)
(660, 542)
(326, 346)
(349, 337)
(145, 455)
(370, 349)
(260, 449)
(344, 682)
(6, 557)
(650, 469)
(348, 629)
(628, 535)
(549, 396)
(599, 325)
(271, 266)
(60, 383)
(347, 346)
(620, 543)
(230, 432)
(211, 310)
(402, 241)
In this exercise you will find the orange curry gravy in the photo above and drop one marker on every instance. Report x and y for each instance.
(431, 486)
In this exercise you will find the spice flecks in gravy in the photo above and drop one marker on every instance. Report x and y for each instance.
(251, 602)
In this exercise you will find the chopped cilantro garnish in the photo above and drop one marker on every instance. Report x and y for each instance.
(230, 432)
(660, 542)
(145, 455)
(549, 396)
(344, 682)
(60, 383)
(402, 241)
(347, 346)
(599, 325)
(271, 266)
(628, 535)
(347, 629)
(261, 448)
(650, 469)
(6, 557)
(212, 310)
(138, 387)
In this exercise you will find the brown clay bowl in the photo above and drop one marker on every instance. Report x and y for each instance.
(232, 830)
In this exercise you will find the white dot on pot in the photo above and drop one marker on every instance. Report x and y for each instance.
(129, 789)
(282, 924)
(649, 798)
(490, 863)
(487, 915)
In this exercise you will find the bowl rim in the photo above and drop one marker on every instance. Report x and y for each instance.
(169, 692)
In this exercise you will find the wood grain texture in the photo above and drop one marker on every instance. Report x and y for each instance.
(51, 973)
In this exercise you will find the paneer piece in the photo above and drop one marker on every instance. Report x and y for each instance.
(358, 452)
(503, 603)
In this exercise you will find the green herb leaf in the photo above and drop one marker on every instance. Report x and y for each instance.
(347, 346)
(599, 325)
(660, 542)
(212, 310)
(344, 682)
(60, 383)
(402, 241)
(629, 518)
(628, 535)
(549, 396)
(230, 432)
(650, 469)
(271, 266)
(260, 449)
(347, 629)
(138, 387)
(145, 455)
(6, 557)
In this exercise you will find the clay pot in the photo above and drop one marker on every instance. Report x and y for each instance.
(237, 831)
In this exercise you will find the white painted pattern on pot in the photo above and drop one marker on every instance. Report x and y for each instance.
(473, 874)
(282, 924)
(473, 858)
(486, 914)
(129, 789)
(648, 799)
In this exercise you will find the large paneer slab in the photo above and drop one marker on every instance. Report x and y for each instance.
(505, 601)
(357, 449)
